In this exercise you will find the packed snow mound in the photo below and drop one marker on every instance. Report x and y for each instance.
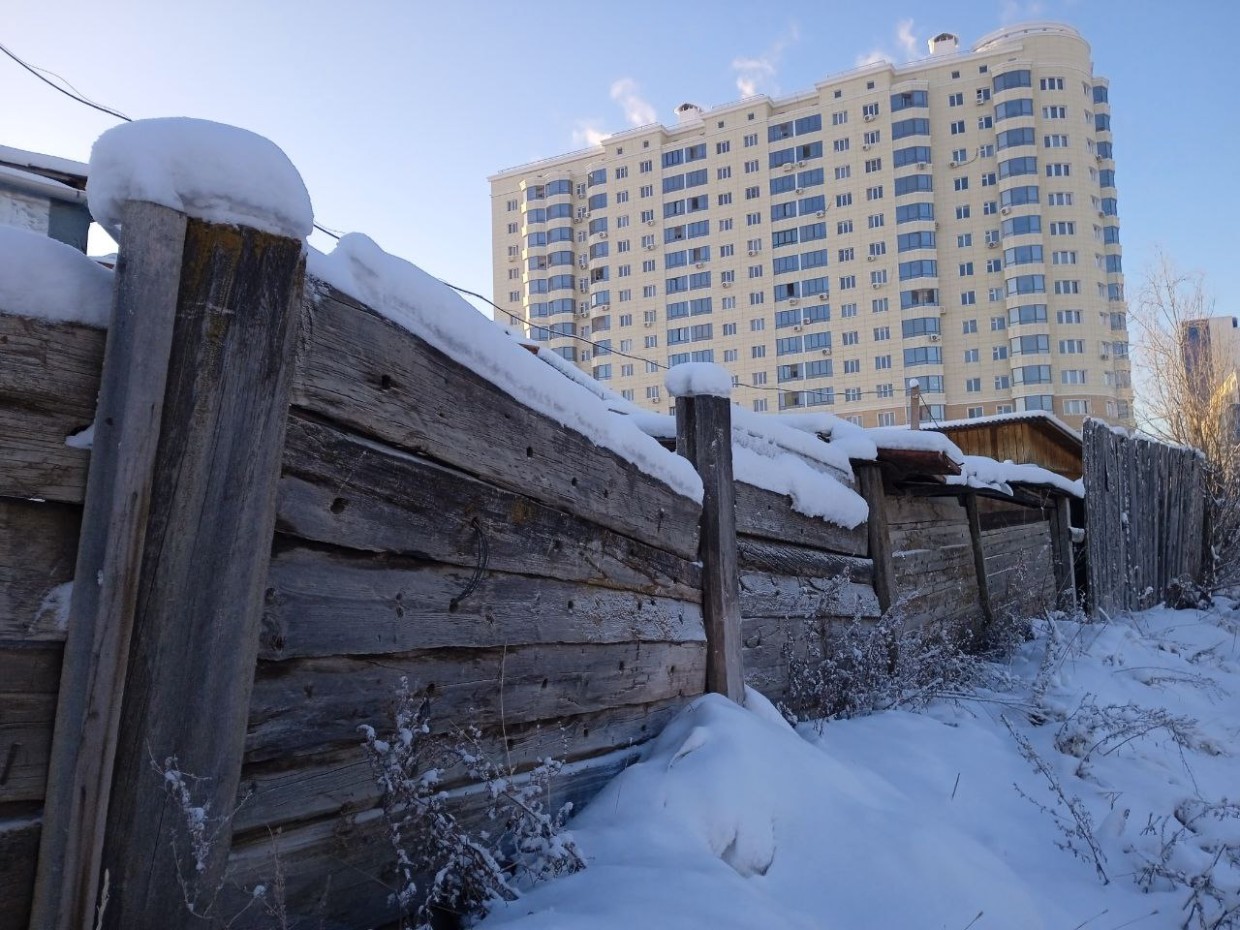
(698, 378)
(915, 440)
(428, 308)
(980, 471)
(48, 280)
(206, 170)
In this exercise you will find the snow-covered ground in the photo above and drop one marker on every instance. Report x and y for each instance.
(937, 819)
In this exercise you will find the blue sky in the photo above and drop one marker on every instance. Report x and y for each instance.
(396, 113)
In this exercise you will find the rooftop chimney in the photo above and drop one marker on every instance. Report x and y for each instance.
(944, 44)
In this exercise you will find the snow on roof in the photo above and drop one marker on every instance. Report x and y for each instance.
(1025, 415)
(41, 162)
(48, 280)
(979, 471)
(419, 303)
(206, 170)
(915, 440)
(48, 187)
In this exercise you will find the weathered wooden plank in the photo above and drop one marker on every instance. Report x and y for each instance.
(348, 491)
(878, 534)
(364, 370)
(38, 547)
(768, 515)
(30, 667)
(113, 525)
(767, 595)
(273, 795)
(979, 558)
(49, 379)
(764, 555)
(341, 872)
(308, 705)
(323, 603)
(19, 847)
(1060, 532)
(25, 745)
(198, 612)
(704, 437)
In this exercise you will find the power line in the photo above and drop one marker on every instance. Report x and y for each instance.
(73, 94)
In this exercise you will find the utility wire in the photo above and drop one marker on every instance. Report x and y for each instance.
(74, 94)
(41, 73)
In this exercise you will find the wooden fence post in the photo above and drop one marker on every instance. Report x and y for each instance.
(110, 549)
(870, 479)
(1061, 553)
(188, 553)
(979, 558)
(704, 437)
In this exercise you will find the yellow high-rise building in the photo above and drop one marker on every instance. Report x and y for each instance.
(952, 220)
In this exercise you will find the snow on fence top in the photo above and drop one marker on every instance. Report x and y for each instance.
(980, 471)
(48, 280)
(915, 440)
(417, 302)
(206, 170)
(694, 379)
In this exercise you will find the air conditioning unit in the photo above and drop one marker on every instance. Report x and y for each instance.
(788, 167)
(726, 284)
(876, 285)
(953, 164)
(585, 312)
(799, 190)
(648, 324)
(1005, 210)
(753, 251)
(651, 248)
(793, 301)
(700, 265)
(797, 328)
(922, 164)
(992, 244)
(981, 101)
(649, 222)
(582, 262)
(826, 351)
(869, 117)
(869, 258)
(821, 213)
(602, 235)
(1104, 356)
(866, 147)
(601, 308)
(800, 164)
(934, 337)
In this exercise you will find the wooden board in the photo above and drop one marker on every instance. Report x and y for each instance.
(29, 681)
(19, 848)
(343, 489)
(309, 705)
(273, 794)
(38, 547)
(324, 603)
(49, 380)
(764, 555)
(363, 370)
(768, 515)
(767, 595)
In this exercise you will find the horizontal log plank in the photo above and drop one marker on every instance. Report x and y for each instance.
(768, 515)
(326, 603)
(764, 555)
(309, 705)
(342, 489)
(19, 850)
(38, 547)
(35, 463)
(25, 745)
(361, 369)
(766, 595)
(30, 668)
(273, 795)
(340, 872)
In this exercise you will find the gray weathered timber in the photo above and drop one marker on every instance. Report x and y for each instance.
(704, 437)
(345, 490)
(307, 705)
(25, 745)
(764, 555)
(767, 595)
(768, 515)
(878, 534)
(325, 892)
(1061, 552)
(38, 547)
(322, 603)
(199, 595)
(274, 795)
(110, 550)
(19, 846)
(979, 558)
(361, 369)
(49, 379)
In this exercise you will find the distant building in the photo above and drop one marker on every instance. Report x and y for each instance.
(1211, 350)
(952, 220)
(44, 194)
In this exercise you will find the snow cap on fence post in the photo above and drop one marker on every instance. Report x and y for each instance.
(698, 379)
(208, 171)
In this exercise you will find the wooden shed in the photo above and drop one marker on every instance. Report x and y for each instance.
(1036, 437)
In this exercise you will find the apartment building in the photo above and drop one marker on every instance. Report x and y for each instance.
(953, 221)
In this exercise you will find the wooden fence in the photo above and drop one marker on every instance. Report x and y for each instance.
(291, 503)
(1145, 518)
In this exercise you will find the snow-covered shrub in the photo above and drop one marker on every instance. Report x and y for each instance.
(1196, 848)
(465, 872)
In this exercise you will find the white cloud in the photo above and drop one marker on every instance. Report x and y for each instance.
(757, 75)
(637, 110)
(872, 57)
(588, 132)
(905, 40)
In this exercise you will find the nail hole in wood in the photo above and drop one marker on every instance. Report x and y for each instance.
(338, 505)
(385, 383)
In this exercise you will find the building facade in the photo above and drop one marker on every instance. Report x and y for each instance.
(952, 221)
